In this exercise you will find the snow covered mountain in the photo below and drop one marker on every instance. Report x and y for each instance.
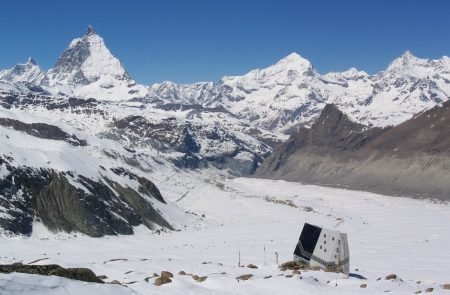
(88, 69)
(292, 92)
(286, 95)
(28, 72)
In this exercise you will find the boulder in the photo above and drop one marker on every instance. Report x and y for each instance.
(162, 280)
(252, 266)
(391, 277)
(199, 279)
(244, 277)
(166, 274)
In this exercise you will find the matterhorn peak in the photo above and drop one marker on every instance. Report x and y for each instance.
(90, 31)
(88, 69)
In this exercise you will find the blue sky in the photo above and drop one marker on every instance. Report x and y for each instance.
(203, 40)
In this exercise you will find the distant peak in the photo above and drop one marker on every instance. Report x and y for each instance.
(295, 57)
(295, 62)
(407, 55)
(31, 61)
(90, 31)
(406, 60)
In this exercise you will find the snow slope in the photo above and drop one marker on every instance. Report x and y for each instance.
(258, 218)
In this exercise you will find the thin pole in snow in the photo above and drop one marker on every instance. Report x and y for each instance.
(239, 262)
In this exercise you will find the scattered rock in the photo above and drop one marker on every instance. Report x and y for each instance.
(296, 272)
(128, 272)
(115, 259)
(293, 265)
(252, 266)
(268, 277)
(102, 277)
(115, 282)
(391, 277)
(446, 286)
(162, 280)
(244, 277)
(147, 279)
(288, 276)
(429, 290)
(130, 283)
(363, 286)
(166, 274)
(182, 273)
(379, 279)
(199, 279)
(417, 292)
(155, 275)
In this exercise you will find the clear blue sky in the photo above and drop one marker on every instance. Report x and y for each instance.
(203, 40)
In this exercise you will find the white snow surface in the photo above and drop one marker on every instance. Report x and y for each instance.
(256, 218)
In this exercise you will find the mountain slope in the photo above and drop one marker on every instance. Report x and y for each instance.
(411, 159)
(71, 181)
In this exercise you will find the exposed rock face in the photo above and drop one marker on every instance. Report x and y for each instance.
(80, 274)
(200, 145)
(411, 159)
(42, 130)
(64, 201)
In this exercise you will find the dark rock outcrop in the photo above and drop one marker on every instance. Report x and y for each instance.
(79, 274)
(411, 159)
(42, 130)
(64, 201)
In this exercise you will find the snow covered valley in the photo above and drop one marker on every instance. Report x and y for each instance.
(256, 218)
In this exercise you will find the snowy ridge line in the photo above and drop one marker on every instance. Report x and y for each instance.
(278, 98)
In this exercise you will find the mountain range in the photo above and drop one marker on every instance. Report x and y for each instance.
(85, 133)
(286, 95)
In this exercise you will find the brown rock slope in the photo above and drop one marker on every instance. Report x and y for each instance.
(410, 159)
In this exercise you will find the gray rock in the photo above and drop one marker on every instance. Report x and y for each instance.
(80, 274)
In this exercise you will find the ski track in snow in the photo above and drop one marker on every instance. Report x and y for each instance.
(386, 235)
